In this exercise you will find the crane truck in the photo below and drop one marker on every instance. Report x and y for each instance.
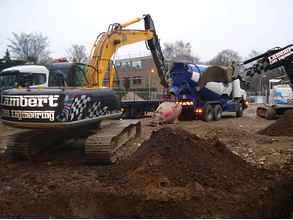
(270, 60)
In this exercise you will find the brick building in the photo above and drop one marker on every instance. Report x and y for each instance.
(138, 74)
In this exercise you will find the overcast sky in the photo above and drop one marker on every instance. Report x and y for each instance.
(209, 25)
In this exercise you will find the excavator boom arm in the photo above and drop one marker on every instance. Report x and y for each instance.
(108, 42)
(104, 48)
(272, 59)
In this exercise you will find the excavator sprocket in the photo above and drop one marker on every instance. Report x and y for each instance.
(103, 146)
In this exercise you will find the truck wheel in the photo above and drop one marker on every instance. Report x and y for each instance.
(217, 112)
(208, 113)
(239, 112)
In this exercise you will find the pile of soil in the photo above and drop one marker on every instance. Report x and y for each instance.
(281, 127)
(184, 158)
(204, 179)
(173, 175)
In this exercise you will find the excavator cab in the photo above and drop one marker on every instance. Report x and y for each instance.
(68, 74)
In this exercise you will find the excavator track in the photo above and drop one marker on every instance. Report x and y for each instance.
(31, 143)
(22, 145)
(103, 146)
(17, 148)
(102, 142)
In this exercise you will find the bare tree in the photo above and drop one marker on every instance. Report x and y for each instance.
(32, 47)
(77, 53)
(225, 57)
(179, 51)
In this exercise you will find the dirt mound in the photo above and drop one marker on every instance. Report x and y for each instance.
(183, 158)
(173, 175)
(175, 165)
(281, 127)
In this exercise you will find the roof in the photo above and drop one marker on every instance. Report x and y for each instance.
(135, 58)
(28, 69)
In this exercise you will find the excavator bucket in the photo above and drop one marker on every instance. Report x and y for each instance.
(266, 112)
(156, 51)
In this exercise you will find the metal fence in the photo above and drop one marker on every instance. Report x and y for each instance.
(138, 95)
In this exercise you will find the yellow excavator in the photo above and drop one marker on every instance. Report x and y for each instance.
(74, 100)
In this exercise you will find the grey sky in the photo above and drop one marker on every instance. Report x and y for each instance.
(209, 25)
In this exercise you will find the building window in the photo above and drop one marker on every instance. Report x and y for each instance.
(125, 64)
(137, 81)
(137, 64)
(116, 83)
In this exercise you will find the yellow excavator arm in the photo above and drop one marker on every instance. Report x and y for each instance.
(106, 45)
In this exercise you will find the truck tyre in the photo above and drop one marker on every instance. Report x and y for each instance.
(217, 112)
(239, 111)
(208, 113)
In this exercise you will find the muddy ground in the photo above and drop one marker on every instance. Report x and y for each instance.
(189, 170)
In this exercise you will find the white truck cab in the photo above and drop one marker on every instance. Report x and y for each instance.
(24, 76)
(279, 92)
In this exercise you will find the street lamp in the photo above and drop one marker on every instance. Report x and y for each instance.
(151, 72)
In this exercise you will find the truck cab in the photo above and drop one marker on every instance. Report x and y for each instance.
(24, 76)
(279, 92)
(61, 74)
